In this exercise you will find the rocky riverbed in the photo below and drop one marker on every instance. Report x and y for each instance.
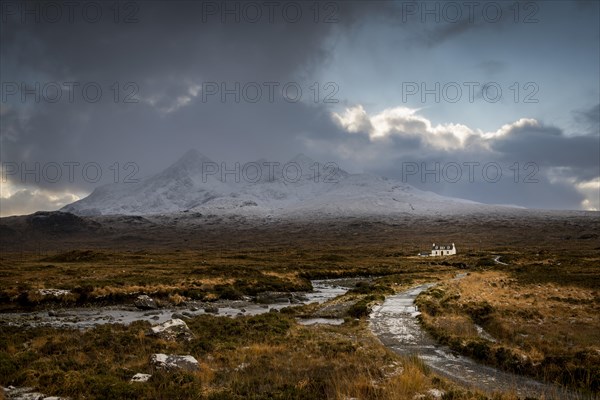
(144, 309)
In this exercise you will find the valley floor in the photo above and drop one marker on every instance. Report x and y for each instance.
(537, 310)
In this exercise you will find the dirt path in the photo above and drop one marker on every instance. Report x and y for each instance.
(497, 261)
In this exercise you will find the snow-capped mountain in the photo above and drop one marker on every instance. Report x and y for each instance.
(299, 186)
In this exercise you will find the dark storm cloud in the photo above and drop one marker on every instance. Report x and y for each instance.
(175, 49)
(589, 119)
(549, 147)
(451, 20)
(168, 55)
(493, 67)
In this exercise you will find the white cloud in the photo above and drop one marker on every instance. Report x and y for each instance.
(588, 189)
(591, 190)
(166, 103)
(564, 163)
(406, 122)
(16, 200)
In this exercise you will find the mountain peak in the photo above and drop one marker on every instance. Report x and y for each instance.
(303, 159)
(190, 164)
(315, 187)
(192, 158)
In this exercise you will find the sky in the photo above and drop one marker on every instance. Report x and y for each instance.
(491, 101)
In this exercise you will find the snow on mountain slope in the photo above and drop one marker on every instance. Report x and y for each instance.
(300, 186)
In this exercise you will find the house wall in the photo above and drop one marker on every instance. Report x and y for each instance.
(443, 252)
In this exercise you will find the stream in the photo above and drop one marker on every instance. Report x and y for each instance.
(395, 323)
(81, 318)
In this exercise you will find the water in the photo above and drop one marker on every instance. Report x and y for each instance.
(396, 325)
(320, 321)
(81, 318)
(394, 322)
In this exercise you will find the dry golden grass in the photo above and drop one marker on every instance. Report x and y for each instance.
(240, 359)
(548, 329)
(172, 277)
(262, 357)
(535, 315)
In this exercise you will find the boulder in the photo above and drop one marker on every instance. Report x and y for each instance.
(211, 310)
(26, 393)
(170, 362)
(273, 297)
(173, 329)
(144, 302)
(139, 377)
(298, 298)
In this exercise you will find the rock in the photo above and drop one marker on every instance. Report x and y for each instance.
(169, 361)
(241, 367)
(144, 302)
(173, 329)
(139, 377)
(298, 298)
(177, 315)
(273, 310)
(188, 314)
(60, 314)
(436, 393)
(26, 393)
(54, 292)
(335, 310)
(273, 297)
(194, 309)
(211, 310)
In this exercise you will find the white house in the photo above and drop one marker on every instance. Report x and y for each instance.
(443, 249)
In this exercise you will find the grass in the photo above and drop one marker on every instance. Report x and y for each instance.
(541, 314)
(102, 277)
(262, 357)
(542, 306)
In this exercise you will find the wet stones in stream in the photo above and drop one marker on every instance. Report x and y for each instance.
(26, 393)
(144, 302)
(334, 310)
(280, 297)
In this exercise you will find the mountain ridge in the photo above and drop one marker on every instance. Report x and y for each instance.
(302, 185)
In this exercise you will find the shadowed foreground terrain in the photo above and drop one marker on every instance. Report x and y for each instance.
(539, 306)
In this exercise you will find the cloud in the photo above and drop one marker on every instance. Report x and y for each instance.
(26, 201)
(167, 56)
(540, 165)
(591, 191)
(172, 51)
(493, 68)
(407, 123)
(589, 119)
